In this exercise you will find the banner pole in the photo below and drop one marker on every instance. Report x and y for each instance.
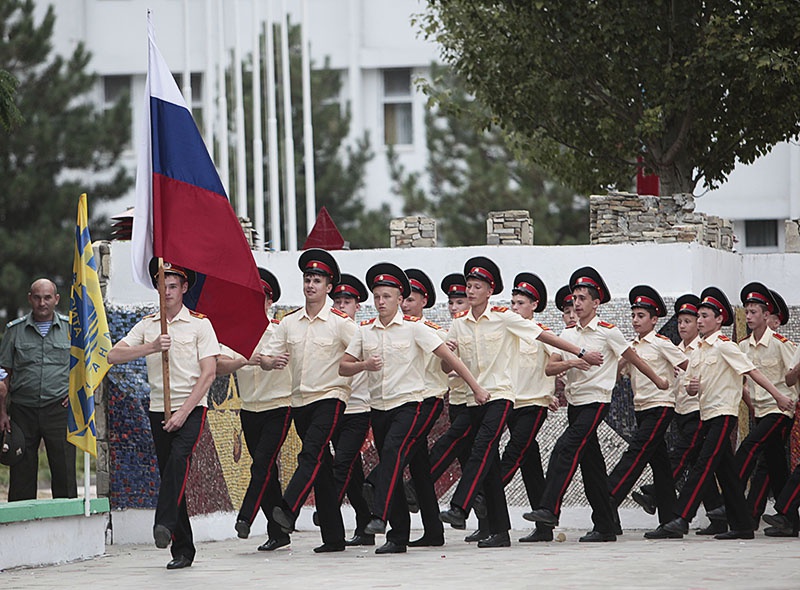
(162, 303)
(86, 484)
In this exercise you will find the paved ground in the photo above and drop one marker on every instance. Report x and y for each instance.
(631, 562)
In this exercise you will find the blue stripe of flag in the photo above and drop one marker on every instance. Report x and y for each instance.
(178, 149)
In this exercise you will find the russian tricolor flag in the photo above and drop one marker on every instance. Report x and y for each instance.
(183, 215)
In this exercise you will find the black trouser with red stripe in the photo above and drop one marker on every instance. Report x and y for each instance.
(647, 446)
(766, 443)
(578, 445)
(716, 458)
(684, 453)
(174, 453)
(348, 470)
(264, 433)
(315, 425)
(419, 466)
(788, 500)
(522, 451)
(394, 431)
(453, 444)
(482, 471)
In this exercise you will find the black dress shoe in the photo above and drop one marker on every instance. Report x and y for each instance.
(773, 531)
(597, 537)
(359, 540)
(478, 535)
(329, 548)
(479, 506)
(748, 534)
(496, 540)
(538, 535)
(315, 518)
(542, 515)
(646, 501)
(390, 547)
(455, 517)
(717, 514)
(273, 544)
(425, 541)
(178, 563)
(780, 521)
(715, 527)
(375, 526)
(284, 518)
(411, 496)
(678, 525)
(242, 528)
(162, 536)
(662, 533)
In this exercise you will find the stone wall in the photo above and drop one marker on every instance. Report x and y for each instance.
(621, 218)
(509, 228)
(412, 232)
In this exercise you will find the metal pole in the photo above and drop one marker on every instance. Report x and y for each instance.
(258, 145)
(241, 151)
(308, 128)
(288, 141)
(224, 170)
(272, 138)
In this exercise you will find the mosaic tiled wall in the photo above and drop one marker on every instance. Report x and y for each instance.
(220, 469)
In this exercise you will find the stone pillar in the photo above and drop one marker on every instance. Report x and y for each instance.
(509, 228)
(412, 232)
(792, 235)
(249, 231)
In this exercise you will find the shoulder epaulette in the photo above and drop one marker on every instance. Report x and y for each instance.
(63, 317)
(780, 337)
(196, 314)
(148, 316)
(742, 339)
(568, 326)
(293, 311)
(724, 338)
(543, 327)
(663, 337)
(410, 318)
(603, 324)
(15, 322)
(274, 321)
(367, 322)
(499, 308)
(430, 324)
(461, 314)
(340, 313)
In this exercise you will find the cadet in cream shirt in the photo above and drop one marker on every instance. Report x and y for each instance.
(489, 345)
(315, 346)
(720, 364)
(772, 355)
(685, 403)
(193, 338)
(404, 345)
(533, 387)
(262, 390)
(663, 356)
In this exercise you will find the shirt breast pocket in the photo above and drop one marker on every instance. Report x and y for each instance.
(770, 367)
(492, 343)
(323, 344)
(400, 350)
(528, 354)
(183, 347)
(26, 354)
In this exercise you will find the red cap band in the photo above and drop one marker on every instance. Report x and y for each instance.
(568, 299)
(529, 289)
(483, 274)
(583, 281)
(688, 307)
(642, 300)
(715, 303)
(455, 288)
(345, 289)
(415, 284)
(267, 288)
(388, 279)
(317, 265)
(761, 299)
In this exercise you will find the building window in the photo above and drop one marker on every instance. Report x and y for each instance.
(761, 233)
(398, 127)
(114, 88)
(196, 82)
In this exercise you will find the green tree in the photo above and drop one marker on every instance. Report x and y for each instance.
(472, 169)
(339, 167)
(9, 113)
(64, 147)
(691, 87)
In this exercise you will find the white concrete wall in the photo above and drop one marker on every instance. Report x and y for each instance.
(673, 269)
(52, 540)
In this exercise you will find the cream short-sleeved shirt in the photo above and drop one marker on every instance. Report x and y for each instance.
(772, 355)
(315, 346)
(193, 339)
(663, 357)
(404, 345)
(435, 379)
(261, 390)
(532, 386)
(685, 403)
(359, 398)
(720, 365)
(489, 346)
(459, 391)
(595, 384)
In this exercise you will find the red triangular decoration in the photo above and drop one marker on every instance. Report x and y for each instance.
(324, 234)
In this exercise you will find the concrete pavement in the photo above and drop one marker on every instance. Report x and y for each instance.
(632, 562)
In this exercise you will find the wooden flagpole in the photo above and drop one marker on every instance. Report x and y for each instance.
(162, 303)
